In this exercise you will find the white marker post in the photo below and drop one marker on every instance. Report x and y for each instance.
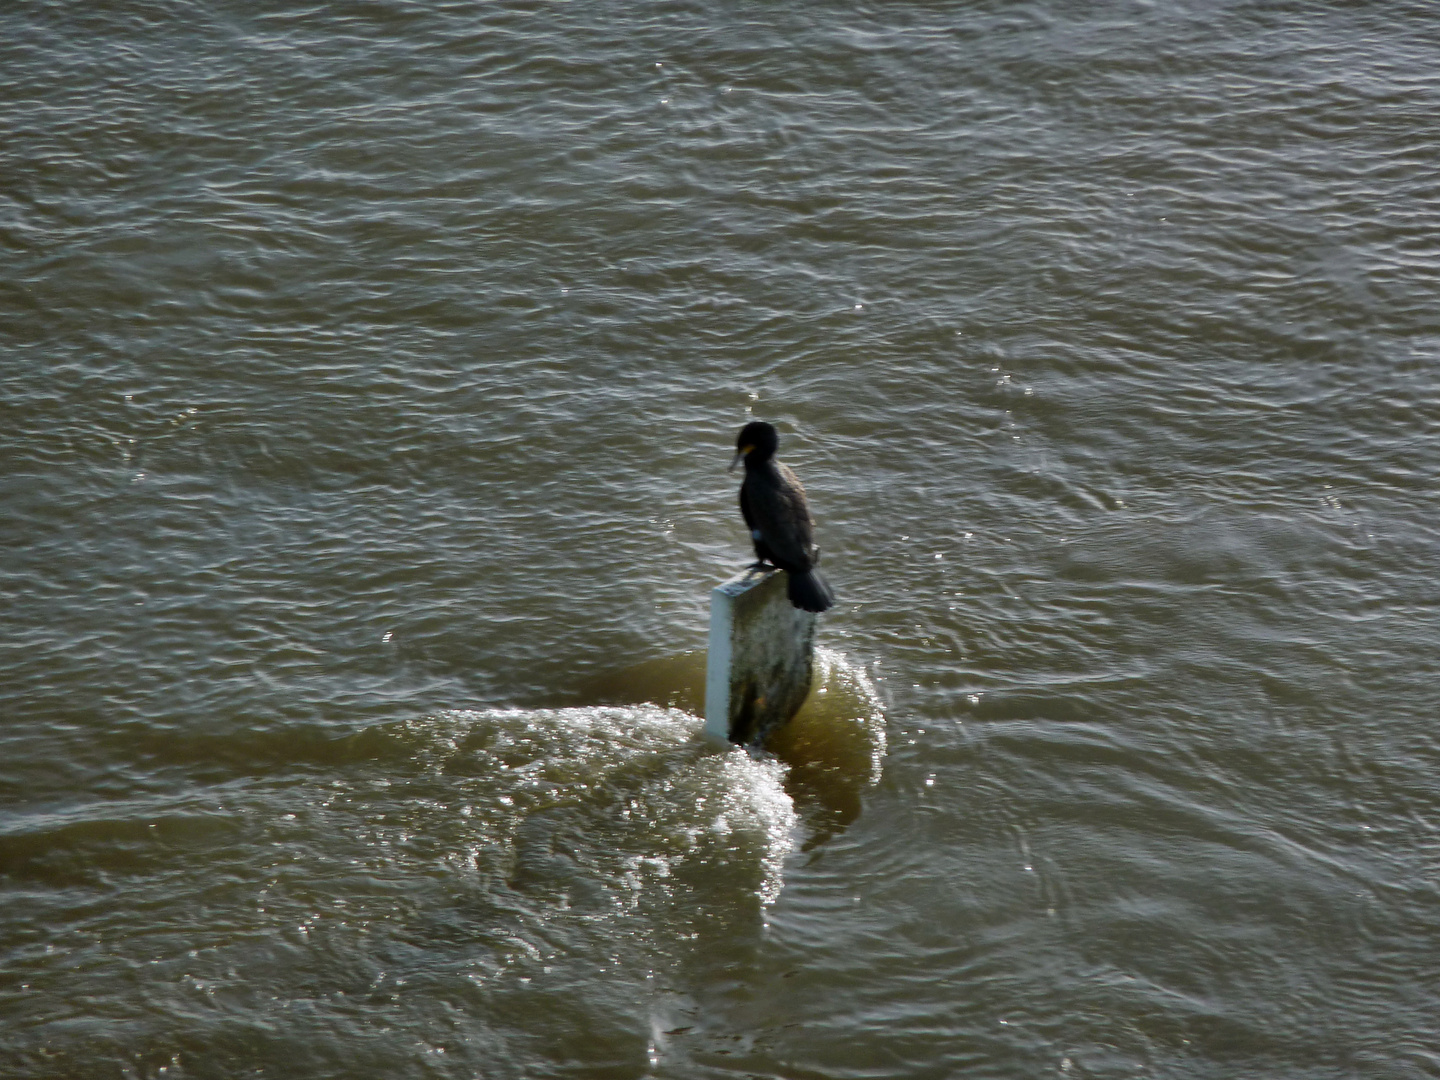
(762, 654)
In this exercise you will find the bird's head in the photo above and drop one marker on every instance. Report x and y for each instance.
(756, 443)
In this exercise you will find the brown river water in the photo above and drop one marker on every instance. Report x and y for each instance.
(368, 376)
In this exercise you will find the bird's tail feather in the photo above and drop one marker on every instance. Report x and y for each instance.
(810, 592)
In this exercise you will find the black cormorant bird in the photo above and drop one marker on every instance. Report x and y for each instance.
(774, 506)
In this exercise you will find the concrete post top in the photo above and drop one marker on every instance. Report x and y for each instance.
(746, 580)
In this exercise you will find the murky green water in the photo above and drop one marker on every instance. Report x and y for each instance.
(368, 374)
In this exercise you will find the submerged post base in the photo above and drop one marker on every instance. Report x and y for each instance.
(762, 653)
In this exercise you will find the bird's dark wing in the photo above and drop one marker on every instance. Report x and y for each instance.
(773, 503)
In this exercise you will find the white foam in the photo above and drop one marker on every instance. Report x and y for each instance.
(648, 790)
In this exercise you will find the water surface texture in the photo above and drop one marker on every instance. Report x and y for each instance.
(368, 373)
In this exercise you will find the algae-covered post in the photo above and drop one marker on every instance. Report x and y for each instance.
(761, 657)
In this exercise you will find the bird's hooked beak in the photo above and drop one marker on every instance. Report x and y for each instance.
(740, 456)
